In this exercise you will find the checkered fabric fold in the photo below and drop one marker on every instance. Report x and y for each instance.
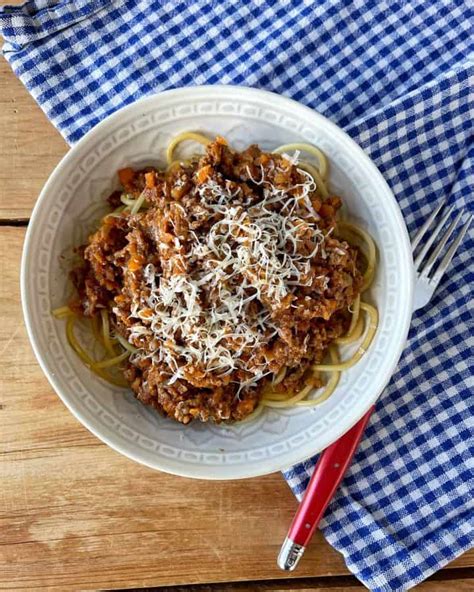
(397, 76)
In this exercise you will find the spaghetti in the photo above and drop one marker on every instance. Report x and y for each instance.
(218, 287)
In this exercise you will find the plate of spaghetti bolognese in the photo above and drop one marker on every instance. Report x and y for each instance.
(217, 282)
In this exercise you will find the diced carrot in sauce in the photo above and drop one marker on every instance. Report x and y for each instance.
(204, 174)
(126, 176)
(326, 211)
(178, 192)
(150, 180)
(246, 407)
(135, 263)
(279, 178)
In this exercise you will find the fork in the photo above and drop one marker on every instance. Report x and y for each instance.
(335, 460)
(426, 280)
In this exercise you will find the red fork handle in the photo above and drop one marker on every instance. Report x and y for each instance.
(328, 473)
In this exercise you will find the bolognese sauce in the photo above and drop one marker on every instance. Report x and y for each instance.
(225, 272)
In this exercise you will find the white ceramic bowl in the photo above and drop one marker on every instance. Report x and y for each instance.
(70, 206)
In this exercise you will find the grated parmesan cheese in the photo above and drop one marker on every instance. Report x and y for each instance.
(205, 318)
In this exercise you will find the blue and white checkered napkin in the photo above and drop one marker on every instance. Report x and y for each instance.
(395, 75)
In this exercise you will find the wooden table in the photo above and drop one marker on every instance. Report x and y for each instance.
(76, 515)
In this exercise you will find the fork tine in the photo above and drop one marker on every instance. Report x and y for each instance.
(432, 238)
(439, 247)
(419, 235)
(450, 253)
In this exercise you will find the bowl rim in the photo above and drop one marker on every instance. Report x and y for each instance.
(170, 465)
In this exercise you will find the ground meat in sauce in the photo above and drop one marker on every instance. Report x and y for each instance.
(162, 245)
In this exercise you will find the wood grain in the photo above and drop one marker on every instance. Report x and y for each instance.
(436, 583)
(76, 515)
(30, 147)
